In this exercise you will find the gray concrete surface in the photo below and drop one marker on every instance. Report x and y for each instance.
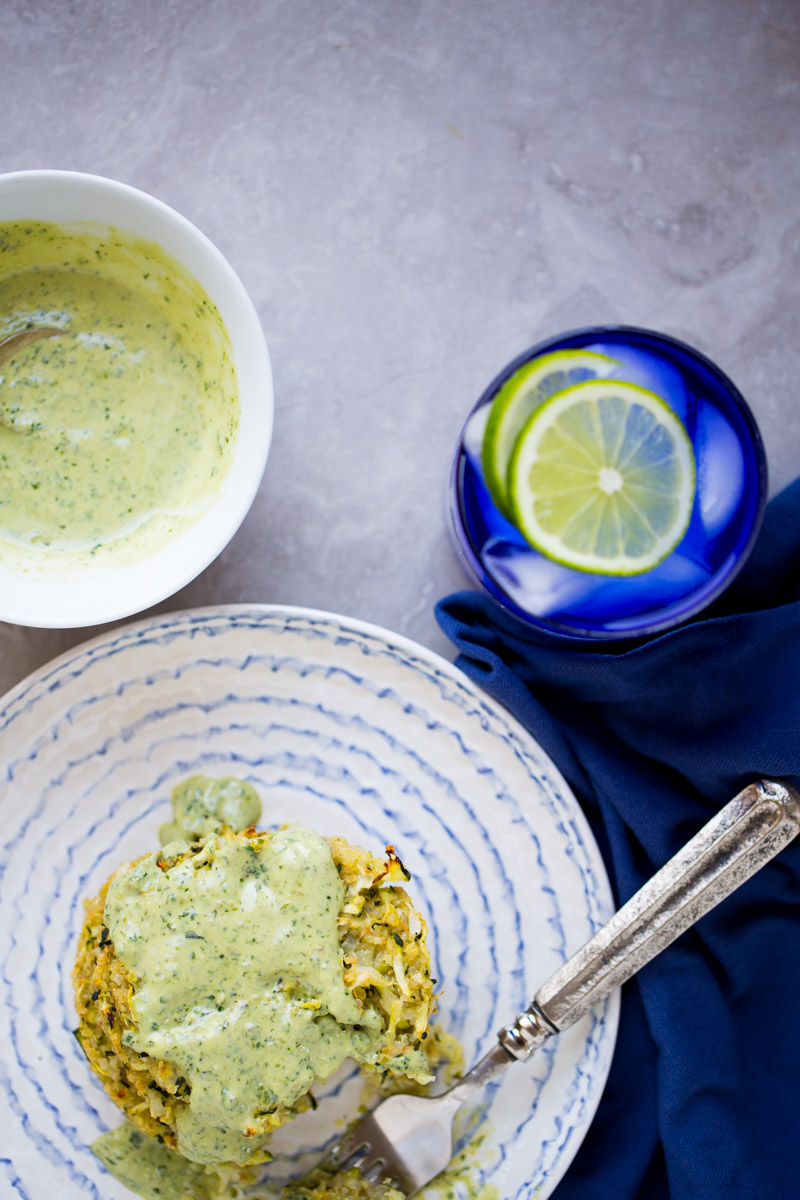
(413, 192)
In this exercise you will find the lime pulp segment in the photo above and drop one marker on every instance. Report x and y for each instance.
(527, 389)
(602, 478)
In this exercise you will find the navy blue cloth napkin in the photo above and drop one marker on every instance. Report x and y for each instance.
(702, 1098)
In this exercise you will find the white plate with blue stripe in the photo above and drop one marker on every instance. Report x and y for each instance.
(341, 726)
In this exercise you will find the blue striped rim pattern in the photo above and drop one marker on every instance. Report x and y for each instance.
(343, 727)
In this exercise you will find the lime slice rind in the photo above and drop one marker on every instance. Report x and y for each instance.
(521, 395)
(638, 508)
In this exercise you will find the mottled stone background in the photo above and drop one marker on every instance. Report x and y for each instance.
(413, 192)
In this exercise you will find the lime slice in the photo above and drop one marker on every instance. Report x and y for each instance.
(602, 478)
(522, 394)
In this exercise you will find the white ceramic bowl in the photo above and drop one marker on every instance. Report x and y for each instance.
(65, 197)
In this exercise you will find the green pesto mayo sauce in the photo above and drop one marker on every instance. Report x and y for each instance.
(154, 1171)
(237, 953)
(118, 434)
(201, 806)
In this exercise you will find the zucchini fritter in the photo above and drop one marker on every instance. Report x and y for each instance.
(386, 967)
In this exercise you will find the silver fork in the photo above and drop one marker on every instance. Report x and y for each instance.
(408, 1140)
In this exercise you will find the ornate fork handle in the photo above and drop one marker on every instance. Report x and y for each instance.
(744, 835)
(409, 1138)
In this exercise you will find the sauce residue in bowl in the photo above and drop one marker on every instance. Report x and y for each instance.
(118, 434)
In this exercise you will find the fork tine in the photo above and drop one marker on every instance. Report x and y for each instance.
(349, 1152)
(356, 1150)
(407, 1140)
